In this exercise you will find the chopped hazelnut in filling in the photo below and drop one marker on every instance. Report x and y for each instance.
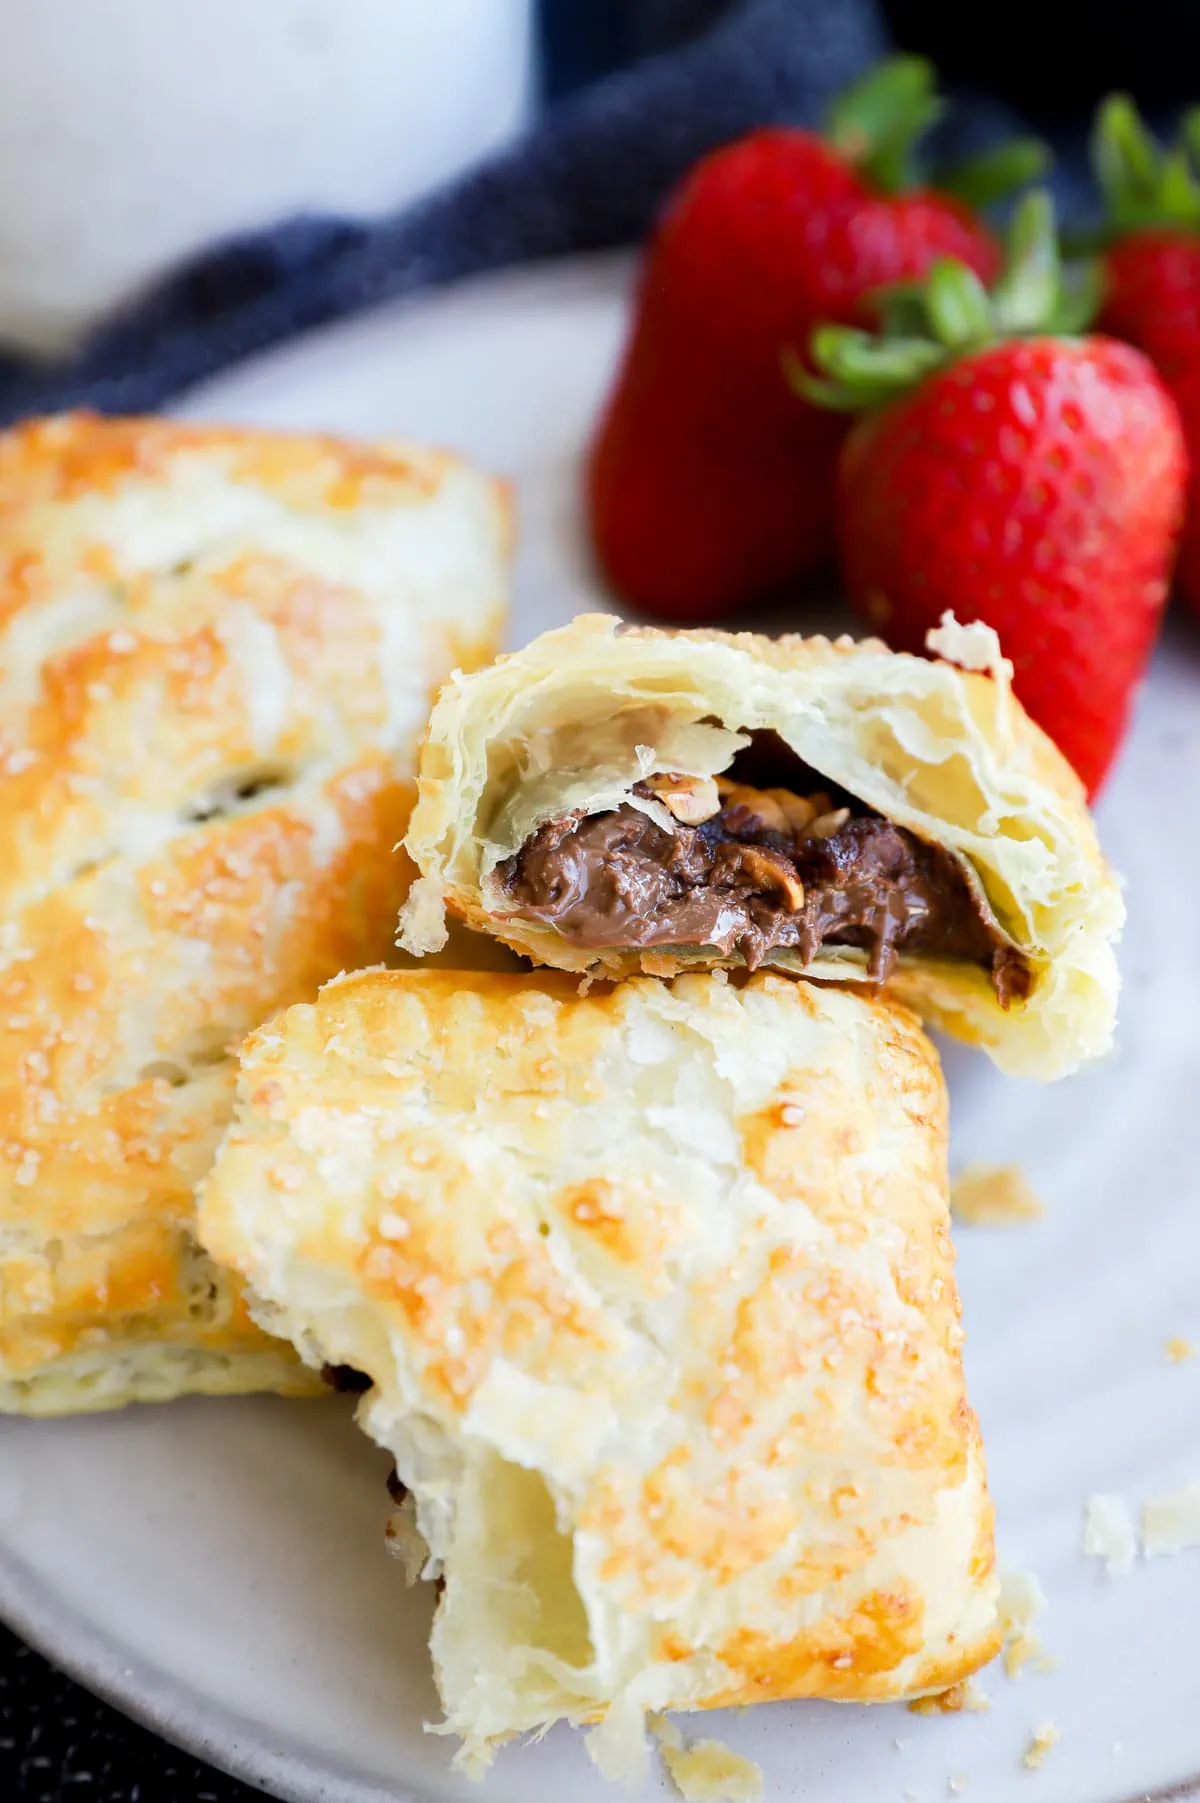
(748, 870)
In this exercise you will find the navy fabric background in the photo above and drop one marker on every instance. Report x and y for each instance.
(675, 78)
(591, 174)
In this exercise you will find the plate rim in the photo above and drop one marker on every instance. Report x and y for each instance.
(231, 1743)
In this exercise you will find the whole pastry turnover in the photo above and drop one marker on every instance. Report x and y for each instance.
(217, 651)
(655, 1296)
(613, 799)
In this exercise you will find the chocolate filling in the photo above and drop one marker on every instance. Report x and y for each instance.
(747, 880)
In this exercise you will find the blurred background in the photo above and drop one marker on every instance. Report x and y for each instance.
(181, 185)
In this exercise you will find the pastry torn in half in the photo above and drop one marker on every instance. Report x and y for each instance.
(217, 652)
(655, 1293)
(613, 799)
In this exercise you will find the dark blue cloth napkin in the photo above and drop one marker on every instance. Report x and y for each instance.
(591, 174)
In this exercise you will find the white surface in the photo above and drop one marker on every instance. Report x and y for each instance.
(134, 131)
(218, 1567)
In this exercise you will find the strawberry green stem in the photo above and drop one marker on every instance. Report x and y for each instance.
(1143, 182)
(991, 175)
(877, 124)
(1025, 291)
(949, 315)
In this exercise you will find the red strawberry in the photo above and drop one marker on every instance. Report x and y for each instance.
(1152, 274)
(707, 485)
(1031, 479)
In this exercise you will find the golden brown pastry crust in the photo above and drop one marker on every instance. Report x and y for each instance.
(576, 717)
(217, 649)
(655, 1288)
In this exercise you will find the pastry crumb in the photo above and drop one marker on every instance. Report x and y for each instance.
(706, 1771)
(1108, 1534)
(967, 1694)
(899, 1744)
(957, 1783)
(1171, 1521)
(942, 1702)
(1178, 1349)
(970, 644)
(1045, 1736)
(665, 1731)
(975, 1697)
(1022, 1601)
(1019, 1651)
(993, 1195)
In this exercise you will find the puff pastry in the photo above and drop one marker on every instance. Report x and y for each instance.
(217, 650)
(655, 1291)
(567, 782)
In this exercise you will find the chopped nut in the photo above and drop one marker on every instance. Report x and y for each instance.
(798, 812)
(765, 813)
(770, 871)
(691, 799)
(826, 825)
(780, 810)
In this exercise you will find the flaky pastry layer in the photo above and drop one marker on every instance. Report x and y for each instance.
(576, 718)
(217, 650)
(655, 1290)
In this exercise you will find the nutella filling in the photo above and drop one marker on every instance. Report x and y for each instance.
(747, 871)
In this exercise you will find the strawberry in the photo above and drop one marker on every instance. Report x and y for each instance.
(707, 486)
(1014, 472)
(1152, 273)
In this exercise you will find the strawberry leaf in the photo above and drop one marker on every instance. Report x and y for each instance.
(859, 370)
(1189, 132)
(1081, 291)
(991, 175)
(948, 315)
(899, 307)
(1026, 290)
(876, 122)
(957, 305)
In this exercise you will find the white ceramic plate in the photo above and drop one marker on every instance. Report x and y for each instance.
(217, 1568)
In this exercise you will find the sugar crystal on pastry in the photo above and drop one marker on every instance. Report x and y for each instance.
(217, 650)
